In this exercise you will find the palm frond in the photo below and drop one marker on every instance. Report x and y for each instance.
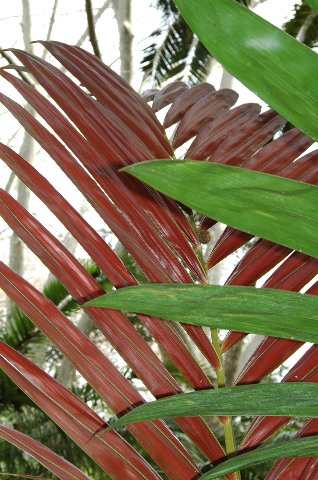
(169, 58)
(200, 65)
(98, 134)
(167, 7)
(175, 52)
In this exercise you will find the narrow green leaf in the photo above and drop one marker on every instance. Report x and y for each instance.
(245, 309)
(303, 447)
(263, 311)
(313, 4)
(274, 65)
(277, 209)
(280, 399)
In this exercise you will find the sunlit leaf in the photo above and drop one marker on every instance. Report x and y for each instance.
(274, 65)
(246, 309)
(264, 205)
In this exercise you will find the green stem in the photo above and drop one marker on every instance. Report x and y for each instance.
(227, 421)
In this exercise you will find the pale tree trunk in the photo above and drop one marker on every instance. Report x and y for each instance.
(227, 80)
(248, 349)
(16, 258)
(122, 9)
(66, 372)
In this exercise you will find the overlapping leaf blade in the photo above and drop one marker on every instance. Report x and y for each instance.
(120, 104)
(296, 448)
(255, 57)
(252, 201)
(74, 417)
(273, 399)
(246, 309)
(122, 334)
(56, 464)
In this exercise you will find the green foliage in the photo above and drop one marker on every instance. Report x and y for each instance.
(255, 58)
(251, 201)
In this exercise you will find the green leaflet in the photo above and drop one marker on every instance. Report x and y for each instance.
(280, 399)
(277, 209)
(245, 309)
(303, 447)
(313, 4)
(274, 65)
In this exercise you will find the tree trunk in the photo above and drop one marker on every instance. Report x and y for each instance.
(26, 151)
(122, 10)
(66, 372)
(226, 80)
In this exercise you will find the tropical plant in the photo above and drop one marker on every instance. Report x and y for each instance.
(102, 126)
(174, 51)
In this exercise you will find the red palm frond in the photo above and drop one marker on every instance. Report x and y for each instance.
(96, 129)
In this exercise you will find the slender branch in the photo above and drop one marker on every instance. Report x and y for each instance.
(10, 182)
(100, 12)
(49, 32)
(91, 28)
(10, 60)
(307, 23)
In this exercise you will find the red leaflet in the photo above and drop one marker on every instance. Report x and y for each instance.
(204, 110)
(292, 275)
(101, 374)
(270, 354)
(84, 426)
(261, 258)
(168, 94)
(230, 240)
(92, 364)
(99, 127)
(97, 248)
(56, 464)
(275, 156)
(305, 168)
(184, 101)
(111, 148)
(115, 184)
(303, 468)
(313, 290)
(114, 325)
(117, 90)
(160, 270)
(213, 134)
(251, 136)
(99, 251)
(117, 97)
(297, 270)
